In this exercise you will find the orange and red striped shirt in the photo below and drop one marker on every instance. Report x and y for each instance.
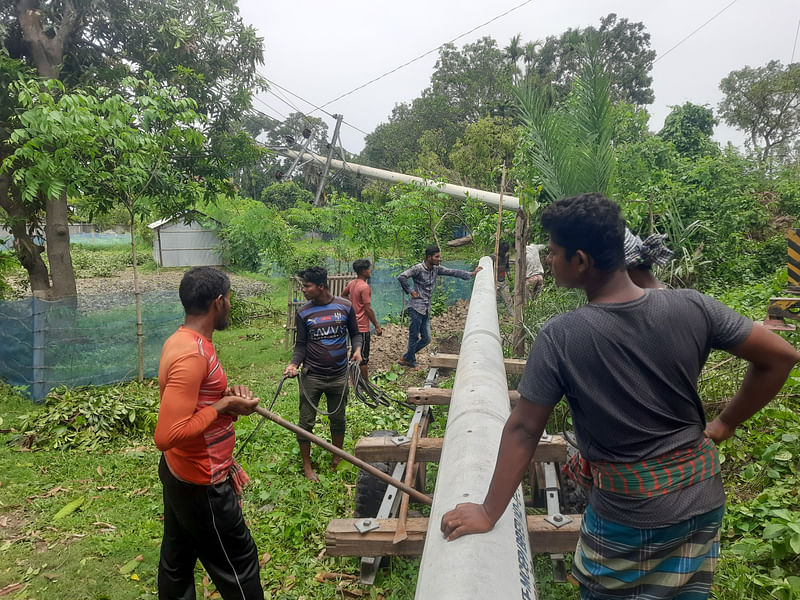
(197, 441)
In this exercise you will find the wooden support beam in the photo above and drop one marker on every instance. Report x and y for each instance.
(343, 539)
(382, 449)
(439, 396)
(450, 361)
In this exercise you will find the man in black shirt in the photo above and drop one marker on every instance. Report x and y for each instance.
(627, 363)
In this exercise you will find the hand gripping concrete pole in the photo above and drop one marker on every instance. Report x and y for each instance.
(496, 564)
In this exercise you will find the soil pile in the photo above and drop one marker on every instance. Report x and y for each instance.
(446, 331)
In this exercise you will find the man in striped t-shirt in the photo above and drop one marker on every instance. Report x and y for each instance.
(202, 482)
(323, 325)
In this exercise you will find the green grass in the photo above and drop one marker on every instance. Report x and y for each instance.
(80, 555)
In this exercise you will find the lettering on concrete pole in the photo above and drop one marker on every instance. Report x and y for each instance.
(526, 580)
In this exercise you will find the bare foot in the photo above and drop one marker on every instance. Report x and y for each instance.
(335, 462)
(310, 475)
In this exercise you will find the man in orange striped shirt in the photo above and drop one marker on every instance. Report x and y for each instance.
(202, 482)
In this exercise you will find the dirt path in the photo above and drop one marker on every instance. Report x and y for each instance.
(161, 280)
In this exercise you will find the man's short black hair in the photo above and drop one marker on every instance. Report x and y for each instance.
(589, 222)
(503, 247)
(315, 275)
(200, 286)
(361, 265)
(431, 250)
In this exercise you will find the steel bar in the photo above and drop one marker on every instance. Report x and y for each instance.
(418, 496)
(411, 466)
(391, 501)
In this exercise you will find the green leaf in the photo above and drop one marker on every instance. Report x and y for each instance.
(70, 508)
(774, 530)
(129, 566)
(794, 543)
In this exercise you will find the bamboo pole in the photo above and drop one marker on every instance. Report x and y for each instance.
(499, 225)
(418, 496)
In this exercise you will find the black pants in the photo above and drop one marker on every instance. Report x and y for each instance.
(205, 522)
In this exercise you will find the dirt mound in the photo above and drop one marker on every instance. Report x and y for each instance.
(446, 330)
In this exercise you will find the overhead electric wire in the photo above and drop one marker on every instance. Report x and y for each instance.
(272, 108)
(288, 91)
(794, 47)
(421, 56)
(695, 31)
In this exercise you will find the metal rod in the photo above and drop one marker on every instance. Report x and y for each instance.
(418, 496)
(400, 533)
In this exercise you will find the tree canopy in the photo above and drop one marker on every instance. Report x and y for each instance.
(199, 46)
(764, 102)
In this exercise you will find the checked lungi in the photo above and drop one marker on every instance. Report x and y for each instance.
(613, 561)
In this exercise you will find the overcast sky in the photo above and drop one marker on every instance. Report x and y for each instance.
(319, 49)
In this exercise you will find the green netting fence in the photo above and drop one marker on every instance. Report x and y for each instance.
(91, 340)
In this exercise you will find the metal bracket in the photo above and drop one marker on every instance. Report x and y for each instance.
(399, 440)
(365, 525)
(558, 520)
(546, 438)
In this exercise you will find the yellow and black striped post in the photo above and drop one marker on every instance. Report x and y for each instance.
(793, 263)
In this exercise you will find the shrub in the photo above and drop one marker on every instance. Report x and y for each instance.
(89, 417)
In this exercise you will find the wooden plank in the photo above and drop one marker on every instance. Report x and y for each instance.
(343, 539)
(450, 361)
(441, 397)
(382, 449)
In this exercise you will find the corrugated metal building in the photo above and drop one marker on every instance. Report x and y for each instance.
(187, 240)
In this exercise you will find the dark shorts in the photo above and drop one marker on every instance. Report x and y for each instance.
(365, 336)
(335, 389)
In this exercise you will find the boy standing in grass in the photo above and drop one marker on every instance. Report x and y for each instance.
(360, 295)
(628, 363)
(202, 482)
(323, 324)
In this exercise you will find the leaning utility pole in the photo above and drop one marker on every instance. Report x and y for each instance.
(331, 148)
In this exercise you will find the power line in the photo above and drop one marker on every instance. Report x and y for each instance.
(285, 100)
(272, 108)
(695, 31)
(794, 47)
(269, 81)
(421, 56)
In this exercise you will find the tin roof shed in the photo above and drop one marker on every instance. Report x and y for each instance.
(187, 240)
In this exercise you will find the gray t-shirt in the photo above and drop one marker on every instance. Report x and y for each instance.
(629, 373)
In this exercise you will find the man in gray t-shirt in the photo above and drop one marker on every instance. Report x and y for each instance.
(628, 363)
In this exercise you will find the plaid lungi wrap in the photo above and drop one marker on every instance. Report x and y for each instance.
(613, 561)
(653, 477)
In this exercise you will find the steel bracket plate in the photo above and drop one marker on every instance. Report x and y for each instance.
(399, 440)
(365, 525)
(558, 520)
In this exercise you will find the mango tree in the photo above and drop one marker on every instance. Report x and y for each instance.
(140, 148)
(200, 46)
